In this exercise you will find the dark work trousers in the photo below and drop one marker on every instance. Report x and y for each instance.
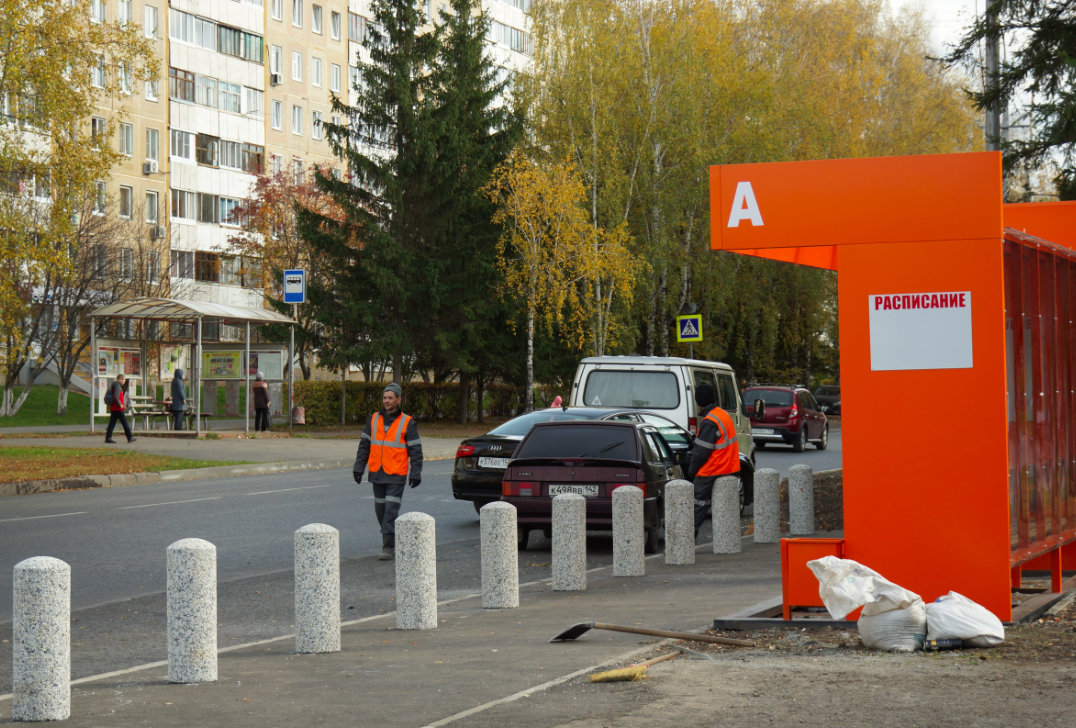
(113, 417)
(704, 491)
(387, 501)
(177, 420)
(261, 419)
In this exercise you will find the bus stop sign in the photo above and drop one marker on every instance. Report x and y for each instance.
(295, 286)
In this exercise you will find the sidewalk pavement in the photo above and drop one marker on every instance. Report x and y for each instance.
(476, 659)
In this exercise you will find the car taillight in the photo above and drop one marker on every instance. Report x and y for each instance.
(693, 425)
(464, 451)
(640, 486)
(793, 413)
(521, 488)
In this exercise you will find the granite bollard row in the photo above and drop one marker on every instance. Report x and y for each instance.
(726, 515)
(416, 572)
(629, 534)
(569, 542)
(317, 589)
(679, 523)
(500, 556)
(41, 632)
(801, 500)
(192, 611)
(767, 506)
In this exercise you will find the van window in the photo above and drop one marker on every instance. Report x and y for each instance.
(650, 389)
(728, 393)
(703, 377)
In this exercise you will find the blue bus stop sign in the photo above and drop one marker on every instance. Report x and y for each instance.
(295, 286)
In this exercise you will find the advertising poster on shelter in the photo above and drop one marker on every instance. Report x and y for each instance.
(269, 363)
(222, 364)
(131, 362)
(107, 361)
(172, 358)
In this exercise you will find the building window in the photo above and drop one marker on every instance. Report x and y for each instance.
(255, 103)
(276, 60)
(152, 143)
(278, 114)
(152, 90)
(100, 199)
(296, 171)
(151, 22)
(180, 85)
(297, 120)
(124, 76)
(206, 267)
(152, 213)
(316, 19)
(514, 38)
(153, 266)
(97, 11)
(334, 78)
(334, 26)
(278, 9)
(296, 66)
(123, 12)
(98, 130)
(228, 206)
(276, 164)
(183, 204)
(126, 264)
(180, 26)
(315, 71)
(315, 127)
(126, 139)
(206, 91)
(206, 150)
(231, 41)
(98, 76)
(182, 266)
(205, 34)
(208, 208)
(253, 159)
(229, 96)
(356, 28)
(297, 13)
(229, 154)
(182, 146)
(126, 201)
(353, 78)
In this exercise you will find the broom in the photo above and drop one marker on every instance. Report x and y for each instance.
(632, 673)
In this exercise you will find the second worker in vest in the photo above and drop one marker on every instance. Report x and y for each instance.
(716, 453)
(390, 446)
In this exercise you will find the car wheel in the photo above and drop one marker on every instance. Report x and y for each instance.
(651, 544)
(824, 442)
(801, 442)
(523, 535)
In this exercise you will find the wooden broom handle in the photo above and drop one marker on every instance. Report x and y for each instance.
(674, 635)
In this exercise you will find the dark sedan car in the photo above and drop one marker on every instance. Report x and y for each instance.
(828, 397)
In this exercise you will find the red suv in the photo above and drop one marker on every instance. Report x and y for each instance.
(791, 417)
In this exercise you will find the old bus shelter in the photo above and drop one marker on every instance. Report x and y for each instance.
(958, 357)
(170, 311)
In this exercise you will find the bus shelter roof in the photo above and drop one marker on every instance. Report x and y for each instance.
(167, 309)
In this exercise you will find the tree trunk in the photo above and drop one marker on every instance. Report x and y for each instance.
(343, 396)
(397, 367)
(61, 402)
(304, 366)
(528, 397)
(659, 313)
(480, 395)
(463, 399)
(9, 392)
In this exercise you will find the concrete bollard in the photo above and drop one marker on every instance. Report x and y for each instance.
(41, 634)
(192, 611)
(767, 506)
(416, 572)
(500, 556)
(629, 536)
(726, 516)
(679, 523)
(801, 500)
(569, 542)
(317, 589)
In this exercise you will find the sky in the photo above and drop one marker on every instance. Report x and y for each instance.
(949, 17)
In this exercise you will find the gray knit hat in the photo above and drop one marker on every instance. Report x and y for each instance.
(259, 377)
(394, 388)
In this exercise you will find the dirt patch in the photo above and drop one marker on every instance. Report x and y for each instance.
(828, 503)
(19, 464)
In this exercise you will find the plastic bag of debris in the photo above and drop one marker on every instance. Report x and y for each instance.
(895, 630)
(954, 616)
(846, 585)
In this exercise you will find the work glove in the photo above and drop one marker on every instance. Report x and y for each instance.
(357, 477)
(415, 482)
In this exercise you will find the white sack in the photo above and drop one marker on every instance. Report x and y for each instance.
(956, 617)
(900, 630)
(845, 585)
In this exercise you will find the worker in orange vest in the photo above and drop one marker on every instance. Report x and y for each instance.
(716, 451)
(390, 446)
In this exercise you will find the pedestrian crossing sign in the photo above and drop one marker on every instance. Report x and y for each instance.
(689, 328)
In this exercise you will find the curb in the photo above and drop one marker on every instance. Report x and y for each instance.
(164, 476)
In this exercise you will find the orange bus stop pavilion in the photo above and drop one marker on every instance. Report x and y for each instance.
(958, 360)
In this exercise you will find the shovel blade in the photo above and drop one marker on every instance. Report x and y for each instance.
(576, 630)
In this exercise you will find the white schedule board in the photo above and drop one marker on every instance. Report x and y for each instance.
(920, 330)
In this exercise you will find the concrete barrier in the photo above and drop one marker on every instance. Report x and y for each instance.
(569, 542)
(801, 500)
(416, 572)
(726, 516)
(629, 536)
(317, 589)
(767, 506)
(41, 636)
(679, 523)
(192, 611)
(500, 556)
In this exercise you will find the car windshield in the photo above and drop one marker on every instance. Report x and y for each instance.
(827, 392)
(522, 425)
(580, 442)
(654, 390)
(669, 430)
(772, 397)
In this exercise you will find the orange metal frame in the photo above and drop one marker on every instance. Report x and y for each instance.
(926, 501)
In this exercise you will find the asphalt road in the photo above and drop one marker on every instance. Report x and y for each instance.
(782, 457)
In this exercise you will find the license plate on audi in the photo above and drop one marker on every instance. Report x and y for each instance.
(493, 463)
(762, 431)
(589, 491)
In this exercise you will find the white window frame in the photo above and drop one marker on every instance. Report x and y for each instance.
(315, 71)
(336, 22)
(297, 120)
(296, 66)
(97, 11)
(276, 60)
(99, 75)
(155, 207)
(297, 13)
(315, 126)
(150, 24)
(334, 77)
(126, 191)
(187, 145)
(316, 19)
(278, 10)
(126, 139)
(153, 143)
(278, 114)
(100, 202)
(153, 90)
(153, 265)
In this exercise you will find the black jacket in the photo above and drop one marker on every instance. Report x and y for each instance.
(179, 393)
(414, 451)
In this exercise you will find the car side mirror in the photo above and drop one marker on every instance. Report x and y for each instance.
(679, 447)
(760, 409)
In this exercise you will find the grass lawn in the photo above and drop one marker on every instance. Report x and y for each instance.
(38, 463)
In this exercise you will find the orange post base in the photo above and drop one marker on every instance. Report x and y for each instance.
(799, 587)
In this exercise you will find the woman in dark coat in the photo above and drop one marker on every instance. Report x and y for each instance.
(117, 409)
(261, 404)
(179, 399)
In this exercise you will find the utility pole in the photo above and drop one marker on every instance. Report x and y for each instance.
(993, 114)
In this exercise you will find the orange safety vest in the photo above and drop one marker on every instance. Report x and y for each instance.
(725, 457)
(388, 451)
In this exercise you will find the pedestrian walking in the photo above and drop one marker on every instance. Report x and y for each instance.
(118, 404)
(179, 400)
(261, 404)
(390, 446)
(716, 453)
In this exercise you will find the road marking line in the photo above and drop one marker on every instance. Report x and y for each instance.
(54, 515)
(171, 503)
(285, 490)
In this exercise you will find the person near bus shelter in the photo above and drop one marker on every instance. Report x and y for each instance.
(716, 452)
